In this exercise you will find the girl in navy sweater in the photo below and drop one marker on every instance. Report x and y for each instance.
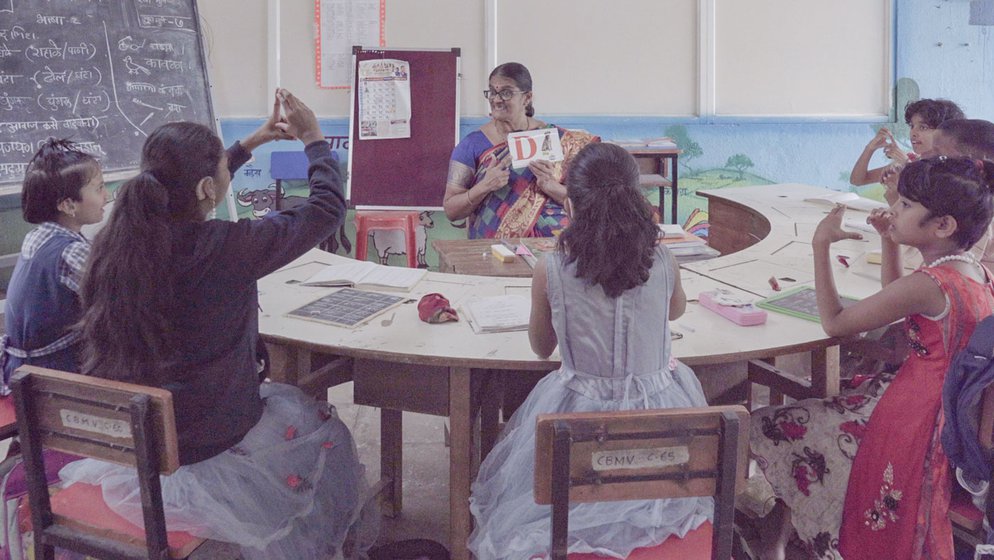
(170, 300)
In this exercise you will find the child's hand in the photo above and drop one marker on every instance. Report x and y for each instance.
(880, 219)
(881, 139)
(889, 177)
(830, 230)
(272, 129)
(299, 121)
(896, 154)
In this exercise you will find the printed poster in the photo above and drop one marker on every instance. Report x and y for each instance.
(384, 99)
(342, 24)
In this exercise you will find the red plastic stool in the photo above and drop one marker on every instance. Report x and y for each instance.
(367, 222)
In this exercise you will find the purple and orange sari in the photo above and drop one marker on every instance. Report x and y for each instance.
(520, 209)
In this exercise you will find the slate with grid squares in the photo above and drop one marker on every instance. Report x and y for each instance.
(347, 307)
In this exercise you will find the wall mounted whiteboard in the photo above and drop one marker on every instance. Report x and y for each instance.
(713, 58)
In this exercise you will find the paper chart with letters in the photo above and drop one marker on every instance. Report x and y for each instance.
(341, 24)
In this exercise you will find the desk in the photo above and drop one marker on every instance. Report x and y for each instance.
(653, 166)
(446, 369)
(407, 365)
(472, 256)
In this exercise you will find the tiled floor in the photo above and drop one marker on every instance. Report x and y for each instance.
(426, 467)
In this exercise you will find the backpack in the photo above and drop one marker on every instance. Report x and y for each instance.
(970, 372)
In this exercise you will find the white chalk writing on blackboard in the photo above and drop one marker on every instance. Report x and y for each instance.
(101, 72)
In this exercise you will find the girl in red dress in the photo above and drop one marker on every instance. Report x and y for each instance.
(863, 475)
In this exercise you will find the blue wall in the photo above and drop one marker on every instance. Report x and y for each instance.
(938, 55)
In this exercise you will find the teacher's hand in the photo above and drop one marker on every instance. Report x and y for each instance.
(497, 175)
(545, 174)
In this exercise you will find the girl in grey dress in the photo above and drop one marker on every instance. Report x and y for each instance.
(605, 297)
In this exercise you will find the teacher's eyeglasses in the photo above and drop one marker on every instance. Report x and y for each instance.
(505, 94)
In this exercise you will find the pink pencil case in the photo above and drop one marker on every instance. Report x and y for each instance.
(724, 303)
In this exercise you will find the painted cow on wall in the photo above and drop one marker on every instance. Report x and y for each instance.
(263, 203)
(388, 242)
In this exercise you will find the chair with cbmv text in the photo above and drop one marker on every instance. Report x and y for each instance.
(644, 454)
(108, 420)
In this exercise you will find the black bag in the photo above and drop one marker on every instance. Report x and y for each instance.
(410, 549)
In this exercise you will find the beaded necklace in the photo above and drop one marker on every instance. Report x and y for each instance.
(967, 258)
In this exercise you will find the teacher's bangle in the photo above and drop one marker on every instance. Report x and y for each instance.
(469, 198)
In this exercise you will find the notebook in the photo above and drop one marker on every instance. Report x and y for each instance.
(671, 231)
(850, 199)
(365, 274)
(498, 313)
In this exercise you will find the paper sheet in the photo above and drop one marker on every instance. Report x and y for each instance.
(384, 99)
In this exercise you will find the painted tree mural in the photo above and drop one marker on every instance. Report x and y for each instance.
(691, 149)
(739, 162)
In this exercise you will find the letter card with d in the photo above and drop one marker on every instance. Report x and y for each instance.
(529, 145)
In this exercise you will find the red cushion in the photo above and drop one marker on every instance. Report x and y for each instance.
(82, 505)
(695, 545)
(7, 417)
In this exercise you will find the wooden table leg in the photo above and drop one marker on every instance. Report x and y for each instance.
(489, 413)
(460, 460)
(392, 460)
(825, 372)
(283, 363)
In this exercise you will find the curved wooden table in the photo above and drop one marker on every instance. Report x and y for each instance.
(399, 363)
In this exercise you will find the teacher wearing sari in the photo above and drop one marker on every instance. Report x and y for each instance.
(498, 201)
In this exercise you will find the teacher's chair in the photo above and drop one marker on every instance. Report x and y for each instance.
(107, 420)
(669, 453)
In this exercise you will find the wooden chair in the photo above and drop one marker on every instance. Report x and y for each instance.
(643, 454)
(108, 420)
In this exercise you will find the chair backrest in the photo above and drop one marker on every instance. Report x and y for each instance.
(641, 454)
(108, 420)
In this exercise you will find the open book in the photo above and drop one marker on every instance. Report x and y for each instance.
(671, 231)
(529, 145)
(365, 274)
(850, 199)
(498, 313)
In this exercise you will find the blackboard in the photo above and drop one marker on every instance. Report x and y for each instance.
(408, 172)
(104, 73)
